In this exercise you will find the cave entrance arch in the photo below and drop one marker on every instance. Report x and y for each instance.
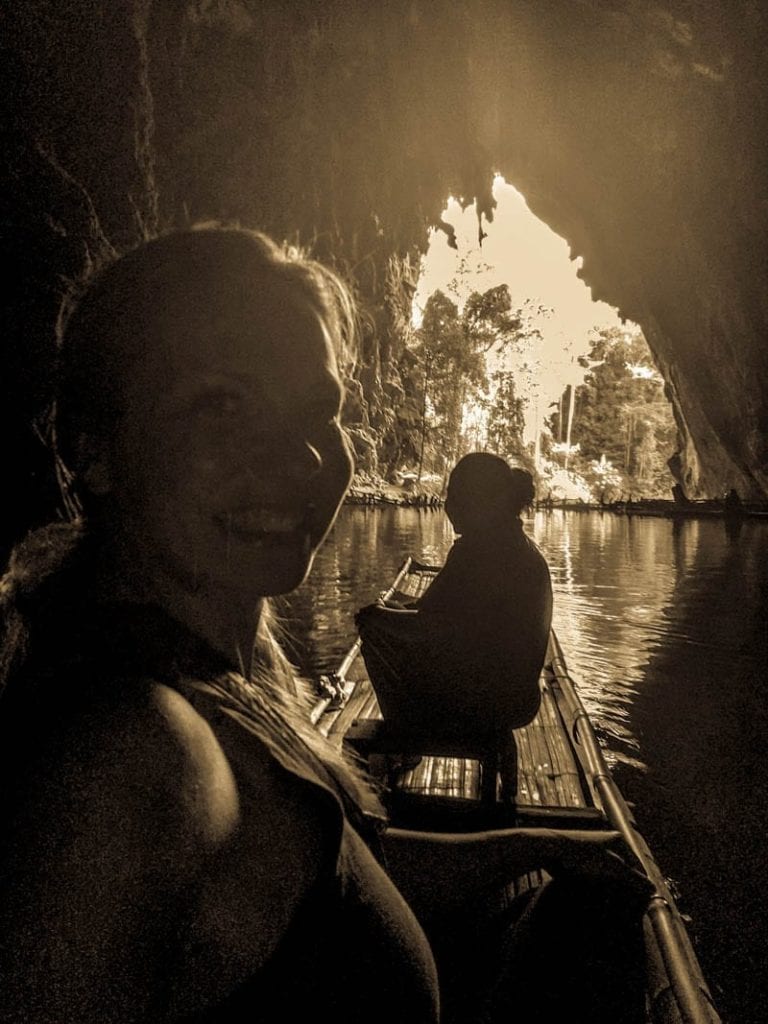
(535, 378)
(635, 131)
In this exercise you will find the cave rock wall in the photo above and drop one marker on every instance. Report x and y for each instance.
(636, 131)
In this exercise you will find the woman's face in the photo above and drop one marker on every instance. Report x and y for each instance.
(231, 463)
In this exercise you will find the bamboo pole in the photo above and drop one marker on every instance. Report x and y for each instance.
(340, 689)
(687, 982)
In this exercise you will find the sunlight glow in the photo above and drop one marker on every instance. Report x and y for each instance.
(521, 251)
(645, 372)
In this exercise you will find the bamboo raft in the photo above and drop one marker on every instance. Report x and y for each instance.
(562, 781)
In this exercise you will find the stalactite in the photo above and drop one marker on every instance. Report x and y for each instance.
(635, 131)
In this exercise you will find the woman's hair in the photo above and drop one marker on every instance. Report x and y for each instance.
(108, 323)
(50, 567)
(481, 483)
(113, 318)
(280, 698)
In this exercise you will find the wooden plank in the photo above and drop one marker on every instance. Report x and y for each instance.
(527, 786)
(564, 764)
(540, 764)
(561, 783)
(546, 757)
(560, 763)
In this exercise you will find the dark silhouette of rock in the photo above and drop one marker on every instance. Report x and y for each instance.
(635, 131)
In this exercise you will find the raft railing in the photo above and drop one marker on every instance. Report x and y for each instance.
(334, 688)
(689, 988)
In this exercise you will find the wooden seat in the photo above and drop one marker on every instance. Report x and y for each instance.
(496, 752)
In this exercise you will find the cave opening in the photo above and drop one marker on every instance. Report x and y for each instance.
(552, 378)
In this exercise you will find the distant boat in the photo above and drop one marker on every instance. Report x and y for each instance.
(697, 509)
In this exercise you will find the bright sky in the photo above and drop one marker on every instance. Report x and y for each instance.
(521, 251)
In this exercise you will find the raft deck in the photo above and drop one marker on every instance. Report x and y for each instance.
(563, 781)
(550, 778)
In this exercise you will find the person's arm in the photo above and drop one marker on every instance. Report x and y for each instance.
(401, 618)
(396, 622)
(103, 862)
(392, 602)
(446, 592)
(440, 871)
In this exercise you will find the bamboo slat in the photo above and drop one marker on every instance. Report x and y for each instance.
(547, 772)
(560, 772)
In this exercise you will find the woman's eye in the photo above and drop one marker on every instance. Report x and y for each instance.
(217, 405)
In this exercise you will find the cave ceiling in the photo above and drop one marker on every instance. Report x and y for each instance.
(637, 131)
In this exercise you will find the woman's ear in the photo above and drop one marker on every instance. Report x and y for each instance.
(93, 466)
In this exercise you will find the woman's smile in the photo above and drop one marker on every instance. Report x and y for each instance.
(262, 523)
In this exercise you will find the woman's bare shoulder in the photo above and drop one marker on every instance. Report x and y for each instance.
(141, 761)
(171, 775)
(152, 751)
(117, 813)
(136, 804)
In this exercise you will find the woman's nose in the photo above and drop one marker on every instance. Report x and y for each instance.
(300, 460)
(314, 458)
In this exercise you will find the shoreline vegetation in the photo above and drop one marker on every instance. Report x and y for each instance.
(382, 494)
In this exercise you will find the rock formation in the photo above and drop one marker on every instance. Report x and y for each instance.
(637, 131)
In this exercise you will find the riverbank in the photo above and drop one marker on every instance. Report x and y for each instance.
(661, 508)
(706, 508)
(383, 494)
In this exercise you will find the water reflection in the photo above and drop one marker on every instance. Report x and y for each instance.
(664, 626)
(703, 720)
(612, 577)
(357, 562)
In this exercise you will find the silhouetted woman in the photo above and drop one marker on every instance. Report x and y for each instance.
(464, 660)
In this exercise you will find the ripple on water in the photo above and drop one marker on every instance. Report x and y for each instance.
(664, 628)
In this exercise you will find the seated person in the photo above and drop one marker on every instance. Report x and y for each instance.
(465, 658)
(732, 501)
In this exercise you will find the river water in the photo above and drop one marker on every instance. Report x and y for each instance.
(664, 628)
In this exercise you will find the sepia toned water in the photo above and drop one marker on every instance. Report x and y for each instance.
(664, 626)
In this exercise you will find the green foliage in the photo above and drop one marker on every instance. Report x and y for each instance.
(450, 353)
(488, 318)
(506, 419)
(400, 438)
(621, 415)
(442, 373)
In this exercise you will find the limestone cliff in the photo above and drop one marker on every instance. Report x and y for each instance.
(636, 130)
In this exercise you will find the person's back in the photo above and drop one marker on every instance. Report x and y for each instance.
(472, 649)
(490, 622)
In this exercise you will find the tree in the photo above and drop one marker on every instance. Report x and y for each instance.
(506, 418)
(400, 435)
(489, 319)
(442, 375)
(453, 369)
(620, 414)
